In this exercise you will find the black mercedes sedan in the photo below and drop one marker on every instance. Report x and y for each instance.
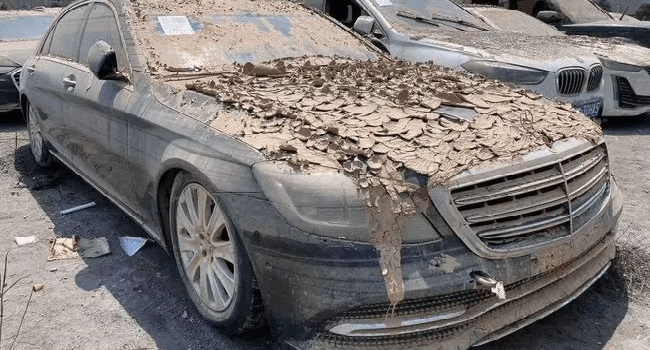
(301, 178)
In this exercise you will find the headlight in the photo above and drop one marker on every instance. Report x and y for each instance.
(506, 72)
(325, 204)
(613, 65)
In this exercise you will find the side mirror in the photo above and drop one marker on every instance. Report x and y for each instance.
(103, 61)
(364, 25)
(549, 16)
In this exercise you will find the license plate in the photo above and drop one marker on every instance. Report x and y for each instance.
(590, 109)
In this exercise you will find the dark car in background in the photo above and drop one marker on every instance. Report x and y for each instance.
(584, 17)
(20, 32)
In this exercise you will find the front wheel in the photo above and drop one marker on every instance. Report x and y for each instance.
(37, 143)
(212, 262)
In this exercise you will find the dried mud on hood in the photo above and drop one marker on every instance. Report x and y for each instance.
(380, 123)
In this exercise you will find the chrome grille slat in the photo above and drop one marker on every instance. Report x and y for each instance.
(524, 228)
(537, 181)
(544, 201)
(512, 188)
(570, 81)
(595, 76)
(537, 204)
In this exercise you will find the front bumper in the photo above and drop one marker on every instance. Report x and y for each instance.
(312, 285)
(627, 93)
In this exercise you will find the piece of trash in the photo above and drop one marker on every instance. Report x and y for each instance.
(21, 241)
(499, 290)
(75, 247)
(81, 207)
(38, 287)
(52, 269)
(132, 245)
(184, 314)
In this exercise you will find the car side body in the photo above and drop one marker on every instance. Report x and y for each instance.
(494, 243)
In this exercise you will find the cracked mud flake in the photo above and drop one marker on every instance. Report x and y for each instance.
(374, 139)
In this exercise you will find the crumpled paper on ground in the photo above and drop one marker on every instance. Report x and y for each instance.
(63, 248)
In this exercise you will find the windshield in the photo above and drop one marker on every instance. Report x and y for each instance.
(580, 11)
(514, 21)
(214, 34)
(24, 28)
(402, 15)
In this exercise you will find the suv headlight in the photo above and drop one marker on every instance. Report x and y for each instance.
(324, 204)
(613, 65)
(506, 72)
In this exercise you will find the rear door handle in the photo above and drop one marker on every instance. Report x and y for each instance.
(69, 82)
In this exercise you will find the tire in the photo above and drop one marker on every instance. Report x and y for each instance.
(211, 258)
(37, 142)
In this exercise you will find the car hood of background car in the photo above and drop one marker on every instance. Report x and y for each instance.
(613, 24)
(15, 53)
(512, 47)
(613, 49)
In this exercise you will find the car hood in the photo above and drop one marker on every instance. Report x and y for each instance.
(380, 119)
(15, 53)
(613, 24)
(542, 52)
(612, 49)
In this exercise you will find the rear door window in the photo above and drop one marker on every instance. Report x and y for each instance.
(65, 38)
(102, 25)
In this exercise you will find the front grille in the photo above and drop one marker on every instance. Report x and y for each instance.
(627, 98)
(595, 76)
(571, 81)
(538, 205)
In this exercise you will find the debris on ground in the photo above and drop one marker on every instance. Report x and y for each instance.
(132, 245)
(81, 207)
(75, 247)
(184, 314)
(38, 287)
(21, 241)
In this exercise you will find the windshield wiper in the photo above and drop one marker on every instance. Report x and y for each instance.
(417, 18)
(457, 20)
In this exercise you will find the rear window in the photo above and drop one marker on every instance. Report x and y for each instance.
(24, 28)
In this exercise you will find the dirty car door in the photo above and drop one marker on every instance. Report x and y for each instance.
(97, 110)
(45, 73)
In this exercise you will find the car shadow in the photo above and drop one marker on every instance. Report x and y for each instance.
(621, 126)
(147, 285)
(150, 290)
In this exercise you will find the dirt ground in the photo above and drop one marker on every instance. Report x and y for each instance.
(139, 302)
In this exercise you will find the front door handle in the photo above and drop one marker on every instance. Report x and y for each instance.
(69, 82)
(31, 69)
